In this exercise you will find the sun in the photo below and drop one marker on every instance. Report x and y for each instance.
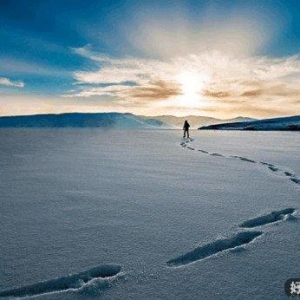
(192, 85)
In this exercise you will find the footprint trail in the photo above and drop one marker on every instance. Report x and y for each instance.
(241, 238)
(274, 169)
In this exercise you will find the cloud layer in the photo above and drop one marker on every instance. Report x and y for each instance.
(257, 86)
(8, 82)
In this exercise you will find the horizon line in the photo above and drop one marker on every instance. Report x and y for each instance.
(126, 113)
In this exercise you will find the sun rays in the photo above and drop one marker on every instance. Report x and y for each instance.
(192, 86)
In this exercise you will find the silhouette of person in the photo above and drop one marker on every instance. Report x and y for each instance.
(186, 127)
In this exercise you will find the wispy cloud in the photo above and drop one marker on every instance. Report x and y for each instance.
(221, 83)
(8, 82)
(152, 91)
(156, 90)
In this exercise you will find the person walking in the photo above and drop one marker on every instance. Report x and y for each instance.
(186, 127)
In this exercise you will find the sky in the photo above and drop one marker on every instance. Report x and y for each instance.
(194, 57)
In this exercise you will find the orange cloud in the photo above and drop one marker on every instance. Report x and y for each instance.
(155, 90)
(217, 94)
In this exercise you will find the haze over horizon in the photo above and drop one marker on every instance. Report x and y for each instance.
(221, 59)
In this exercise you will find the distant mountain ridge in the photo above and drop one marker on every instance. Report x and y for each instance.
(195, 121)
(79, 120)
(106, 120)
(276, 124)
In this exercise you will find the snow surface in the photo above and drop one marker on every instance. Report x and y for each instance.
(147, 214)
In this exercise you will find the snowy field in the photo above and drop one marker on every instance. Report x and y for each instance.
(147, 215)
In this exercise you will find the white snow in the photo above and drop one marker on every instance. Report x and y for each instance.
(108, 211)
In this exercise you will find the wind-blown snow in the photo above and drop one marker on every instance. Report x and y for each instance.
(75, 199)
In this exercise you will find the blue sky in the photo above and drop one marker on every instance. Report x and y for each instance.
(217, 58)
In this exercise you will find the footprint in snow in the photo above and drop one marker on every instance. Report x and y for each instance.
(93, 280)
(272, 217)
(243, 158)
(217, 154)
(214, 248)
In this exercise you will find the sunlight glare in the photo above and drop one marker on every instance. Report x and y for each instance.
(192, 85)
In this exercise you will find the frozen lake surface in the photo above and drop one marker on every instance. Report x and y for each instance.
(147, 215)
